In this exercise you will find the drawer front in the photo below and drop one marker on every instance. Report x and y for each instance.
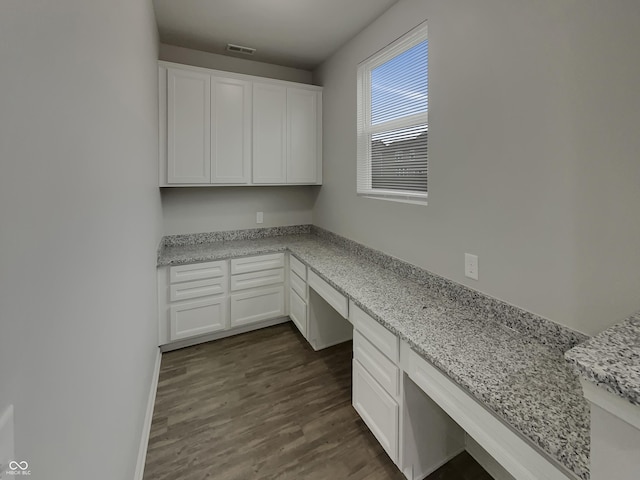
(298, 267)
(197, 271)
(330, 294)
(382, 338)
(255, 264)
(244, 281)
(378, 410)
(297, 284)
(298, 312)
(199, 288)
(257, 305)
(385, 372)
(190, 319)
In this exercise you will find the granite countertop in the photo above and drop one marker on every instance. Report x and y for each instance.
(611, 359)
(527, 384)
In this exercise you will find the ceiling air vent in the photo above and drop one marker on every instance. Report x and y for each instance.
(240, 49)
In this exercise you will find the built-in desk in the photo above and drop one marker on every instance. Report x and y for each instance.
(510, 390)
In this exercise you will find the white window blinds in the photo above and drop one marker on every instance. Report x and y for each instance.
(393, 120)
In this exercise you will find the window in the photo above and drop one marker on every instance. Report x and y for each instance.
(393, 120)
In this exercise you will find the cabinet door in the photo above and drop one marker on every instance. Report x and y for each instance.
(298, 312)
(188, 127)
(257, 305)
(269, 133)
(378, 410)
(193, 318)
(302, 136)
(231, 131)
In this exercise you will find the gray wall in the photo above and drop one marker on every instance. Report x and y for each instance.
(80, 222)
(209, 209)
(533, 153)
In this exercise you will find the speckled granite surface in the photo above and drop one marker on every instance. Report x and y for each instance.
(524, 382)
(534, 326)
(611, 359)
(230, 235)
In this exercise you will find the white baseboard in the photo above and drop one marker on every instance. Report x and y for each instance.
(486, 461)
(146, 427)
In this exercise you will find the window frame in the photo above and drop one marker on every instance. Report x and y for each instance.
(365, 129)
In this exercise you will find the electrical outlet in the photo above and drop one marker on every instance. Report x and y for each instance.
(7, 448)
(471, 266)
(259, 217)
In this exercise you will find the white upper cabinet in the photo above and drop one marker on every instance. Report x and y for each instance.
(303, 148)
(188, 127)
(230, 131)
(221, 128)
(286, 135)
(269, 133)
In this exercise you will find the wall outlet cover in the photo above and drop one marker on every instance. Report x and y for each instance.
(471, 266)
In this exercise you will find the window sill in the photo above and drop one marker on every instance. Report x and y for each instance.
(399, 199)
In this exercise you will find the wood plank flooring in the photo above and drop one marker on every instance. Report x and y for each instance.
(264, 405)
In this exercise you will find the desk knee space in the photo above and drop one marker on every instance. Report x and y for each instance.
(509, 449)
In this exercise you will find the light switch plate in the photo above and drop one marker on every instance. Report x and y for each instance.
(259, 217)
(7, 446)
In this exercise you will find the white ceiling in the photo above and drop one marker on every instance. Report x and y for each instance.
(294, 33)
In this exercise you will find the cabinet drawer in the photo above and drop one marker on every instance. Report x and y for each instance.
(378, 410)
(382, 338)
(330, 294)
(244, 281)
(190, 319)
(257, 305)
(298, 267)
(386, 373)
(199, 288)
(197, 271)
(298, 284)
(255, 264)
(298, 312)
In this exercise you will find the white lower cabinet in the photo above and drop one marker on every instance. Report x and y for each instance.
(193, 318)
(201, 301)
(256, 305)
(257, 289)
(192, 300)
(376, 380)
(385, 372)
(298, 308)
(298, 311)
(377, 408)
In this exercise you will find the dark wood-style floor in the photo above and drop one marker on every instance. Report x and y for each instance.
(264, 405)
